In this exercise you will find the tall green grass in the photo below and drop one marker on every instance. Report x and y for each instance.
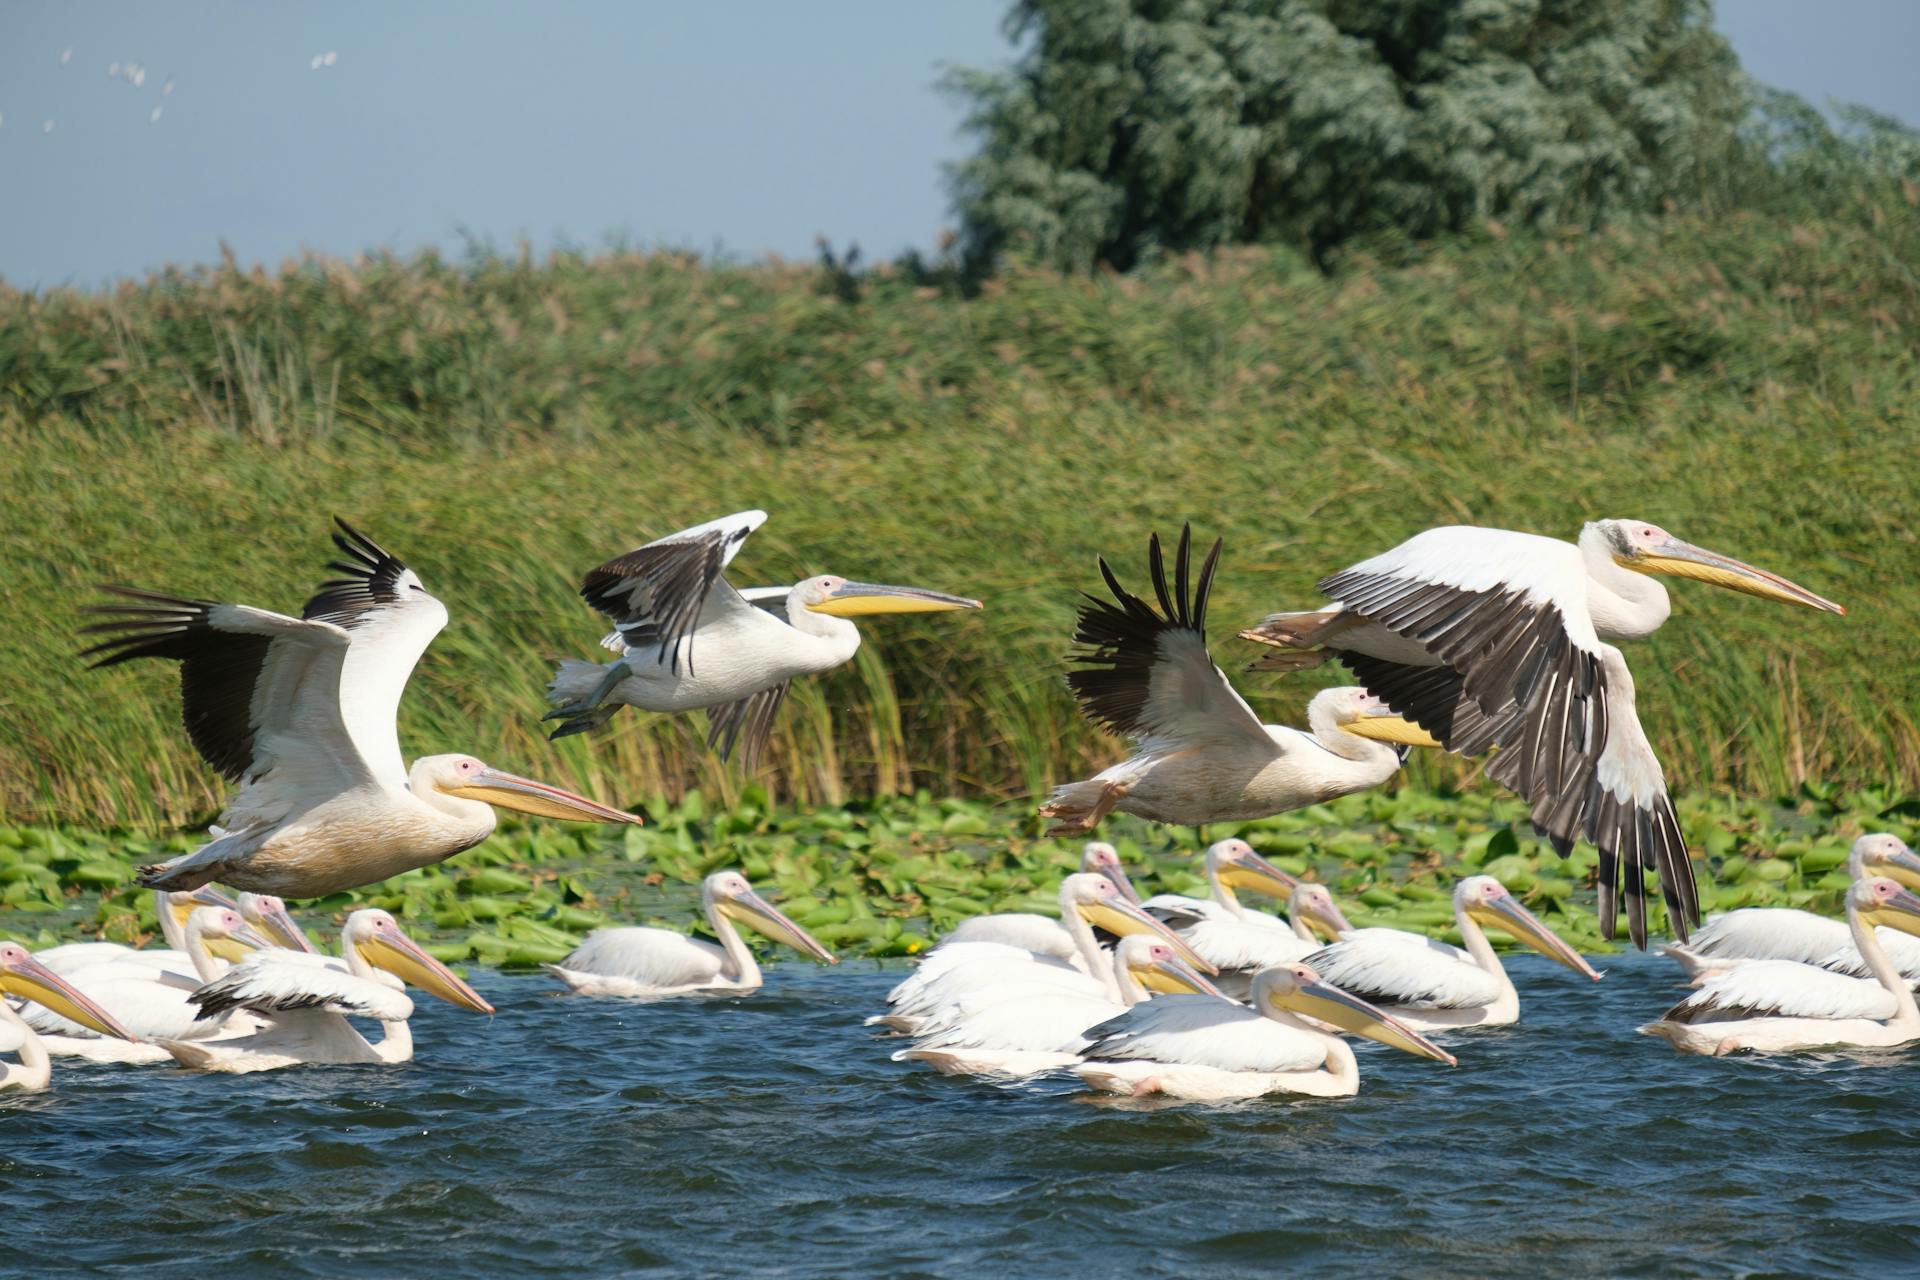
(505, 424)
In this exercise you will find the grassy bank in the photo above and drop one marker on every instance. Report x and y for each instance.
(506, 424)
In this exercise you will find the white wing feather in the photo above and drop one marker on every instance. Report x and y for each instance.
(273, 982)
(1198, 1030)
(654, 957)
(1783, 989)
(1392, 967)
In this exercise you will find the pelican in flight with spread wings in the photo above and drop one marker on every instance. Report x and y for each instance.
(1486, 638)
(25, 978)
(301, 713)
(1203, 755)
(687, 640)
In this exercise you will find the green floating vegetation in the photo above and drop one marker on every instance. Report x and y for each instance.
(888, 878)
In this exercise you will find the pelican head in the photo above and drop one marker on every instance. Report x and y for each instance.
(379, 941)
(268, 915)
(1314, 903)
(1235, 865)
(225, 933)
(1884, 854)
(1158, 967)
(1880, 901)
(470, 779)
(181, 902)
(1364, 716)
(1299, 988)
(728, 893)
(1101, 857)
(1099, 902)
(21, 975)
(839, 598)
(1488, 902)
(1647, 548)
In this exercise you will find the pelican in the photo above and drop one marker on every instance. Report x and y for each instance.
(1784, 933)
(1486, 638)
(1206, 1049)
(307, 1002)
(1431, 986)
(1044, 935)
(268, 916)
(687, 640)
(992, 1032)
(26, 978)
(661, 962)
(1772, 1006)
(300, 712)
(1201, 753)
(170, 909)
(1230, 864)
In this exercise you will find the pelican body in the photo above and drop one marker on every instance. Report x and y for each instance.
(1488, 638)
(656, 963)
(300, 713)
(1201, 754)
(687, 640)
(25, 978)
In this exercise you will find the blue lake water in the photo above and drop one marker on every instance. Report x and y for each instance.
(772, 1135)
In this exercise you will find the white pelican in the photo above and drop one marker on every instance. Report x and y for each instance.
(1785, 933)
(1434, 987)
(300, 712)
(1771, 1006)
(687, 640)
(268, 915)
(26, 978)
(1020, 1033)
(170, 909)
(1202, 755)
(660, 962)
(1206, 1049)
(1044, 934)
(1487, 638)
(154, 1004)
(307, 1001)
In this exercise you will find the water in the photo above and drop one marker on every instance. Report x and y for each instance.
(772, 1135)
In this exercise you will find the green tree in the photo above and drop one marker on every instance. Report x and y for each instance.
(1135, 126)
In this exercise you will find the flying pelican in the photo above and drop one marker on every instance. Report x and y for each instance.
(661, 962)
(1772, 1006)
(300, 712)
(170, 909)
(1784, 933)
(992, 1032)
(24, 977)
(1486, 638)
(687, 640)
(1202, 755)
(1434, 987)
(1044, 935)
(307, 1002)
(1206, 1049)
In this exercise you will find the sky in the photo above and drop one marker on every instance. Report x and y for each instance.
(740, 126)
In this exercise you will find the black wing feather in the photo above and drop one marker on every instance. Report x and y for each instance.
(371, 581)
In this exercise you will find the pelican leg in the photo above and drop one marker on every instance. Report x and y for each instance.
(615, 674)
(1076, 821)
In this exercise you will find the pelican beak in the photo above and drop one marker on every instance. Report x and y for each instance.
(524, 795)
(238, 945)
(1326, 919)
(1121, 918)
(755, 911)
(282, 928)
(1122, 883)
(1684, 560)
(1256, 875)
(1506, 913)
(862, 599)
(1901, 911)
(33, 981)
(1175, 977)
(1903, 866)
(402, 957)
(1378, 722)
(1318, 998)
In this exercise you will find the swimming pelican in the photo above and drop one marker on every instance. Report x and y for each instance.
(24, 977)
(1206, 1049)
(268, 915)
(154, 1004)
(1202, 755)
(1022, 1032)
(1431, 986)
(1230, 864)
(661, 962)
(1043, 934)
(1772, 1006)
(1242, 942)
(1487, 638)
(307, 1002)
(1784, 933)
(170, 909)
(300, 712)
(687, 640)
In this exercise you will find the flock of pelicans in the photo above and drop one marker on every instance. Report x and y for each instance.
(1463, 639)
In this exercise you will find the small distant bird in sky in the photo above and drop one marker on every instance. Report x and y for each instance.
(66, 56)
(326, 59)
(113, 71)
(47, 127)
(167, 88)
(153, 117)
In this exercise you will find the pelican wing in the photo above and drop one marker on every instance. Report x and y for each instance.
(1782, 989)
(1148, 674)
(653, 957)
(1204, 1031)
(1387, 967)
(752, 715)
(290, 982)
(1017, 1019)
(1228, 943)
(655, 594)
(1771, 933)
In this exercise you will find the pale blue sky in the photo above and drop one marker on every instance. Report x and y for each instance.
(743, 126)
